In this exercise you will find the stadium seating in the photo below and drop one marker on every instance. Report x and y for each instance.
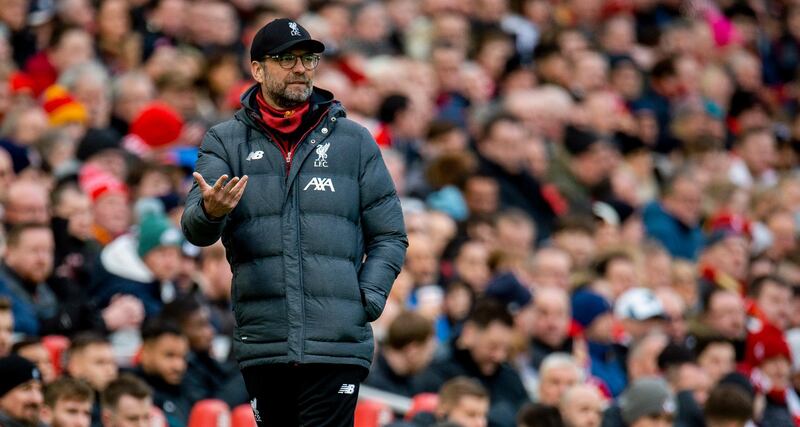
(242, 416)
(56, 345)
(423, 402)
(210, 413)
(370, 413)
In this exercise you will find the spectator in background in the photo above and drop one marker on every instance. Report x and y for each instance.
(539, 415)
(648, 402)
(127, 402)
(558, 373)
(716, 356)
(163, 367)
(593, 313)
(90, 358)
(407, 350)
(728, 406)
(481, 351)
(21, 397)
(27, 203)
(215, 285)
(498, 151)
(675, 220)
(68, 403)
(464, 402)
(206, 377)
(550, 326)
(582, 405)
(640, 312)
(6, 326)
(141, 265)
(772, 297)
(643, 356)
(32, 349)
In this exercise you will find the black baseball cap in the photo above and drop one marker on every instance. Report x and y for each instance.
(281, 35)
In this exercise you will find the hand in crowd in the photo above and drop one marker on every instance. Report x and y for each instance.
(125, 311)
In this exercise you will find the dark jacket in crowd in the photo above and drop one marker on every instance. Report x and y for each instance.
(523, 191)
(539, 351)
(52, 307)
(383, 377)
(206, 378)
(506, 391)
(682, 241)
(303, 291)
(173, 400)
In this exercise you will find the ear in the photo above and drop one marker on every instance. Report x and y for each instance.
(258, 71)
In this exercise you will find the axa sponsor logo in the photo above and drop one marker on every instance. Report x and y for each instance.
(320, 184)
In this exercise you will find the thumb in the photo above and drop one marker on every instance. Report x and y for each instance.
(200, 181)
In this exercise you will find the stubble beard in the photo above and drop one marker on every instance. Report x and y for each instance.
(286, 96)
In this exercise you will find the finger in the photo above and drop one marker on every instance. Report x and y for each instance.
(220, 181)
(230, 185)
(239, 187)
(200, 181)
(238, 191)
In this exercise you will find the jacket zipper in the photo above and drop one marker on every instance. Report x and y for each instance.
(300, 273)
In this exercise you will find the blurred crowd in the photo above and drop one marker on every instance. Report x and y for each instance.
(601, 196)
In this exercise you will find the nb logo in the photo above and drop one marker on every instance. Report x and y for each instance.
(320, 184)
(254, 405)
(255, 155)
(347, 389)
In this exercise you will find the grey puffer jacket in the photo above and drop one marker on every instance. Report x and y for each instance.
(315, 243)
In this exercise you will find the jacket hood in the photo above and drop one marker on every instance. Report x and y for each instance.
(320, 98)
(120, 258)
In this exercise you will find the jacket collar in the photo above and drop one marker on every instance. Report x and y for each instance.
(320, 98)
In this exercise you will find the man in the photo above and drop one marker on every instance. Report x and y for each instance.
(772, 297)
(593, 313)
(142, 265)
(68, 403)
(550, 325)
(322, 200)
(463, 402)
(163, 365)
(20, 393)
(38, 309)
(728, 406)
(503, 138)
(639, 311)
(32, 349)
(582, 406)
(28, 202)
(647, 402)
(723, 315)
(206, 378)
(407, 350)
(559, 372)
(482, 352)
(127, 402)
(91, 358)
(675, 220)
(6, 326)
(643, 356)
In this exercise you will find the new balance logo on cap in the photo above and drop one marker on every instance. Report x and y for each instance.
(347, 389)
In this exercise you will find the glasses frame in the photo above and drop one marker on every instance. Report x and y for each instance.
(303, 58)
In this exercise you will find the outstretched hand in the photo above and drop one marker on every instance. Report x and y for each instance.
(220, 199)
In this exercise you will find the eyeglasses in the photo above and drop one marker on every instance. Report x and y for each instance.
(287, 61)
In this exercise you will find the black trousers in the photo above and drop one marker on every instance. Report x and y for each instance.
(312, 395)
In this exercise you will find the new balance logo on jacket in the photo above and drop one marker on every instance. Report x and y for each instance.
(347, 389)
(320, 184)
